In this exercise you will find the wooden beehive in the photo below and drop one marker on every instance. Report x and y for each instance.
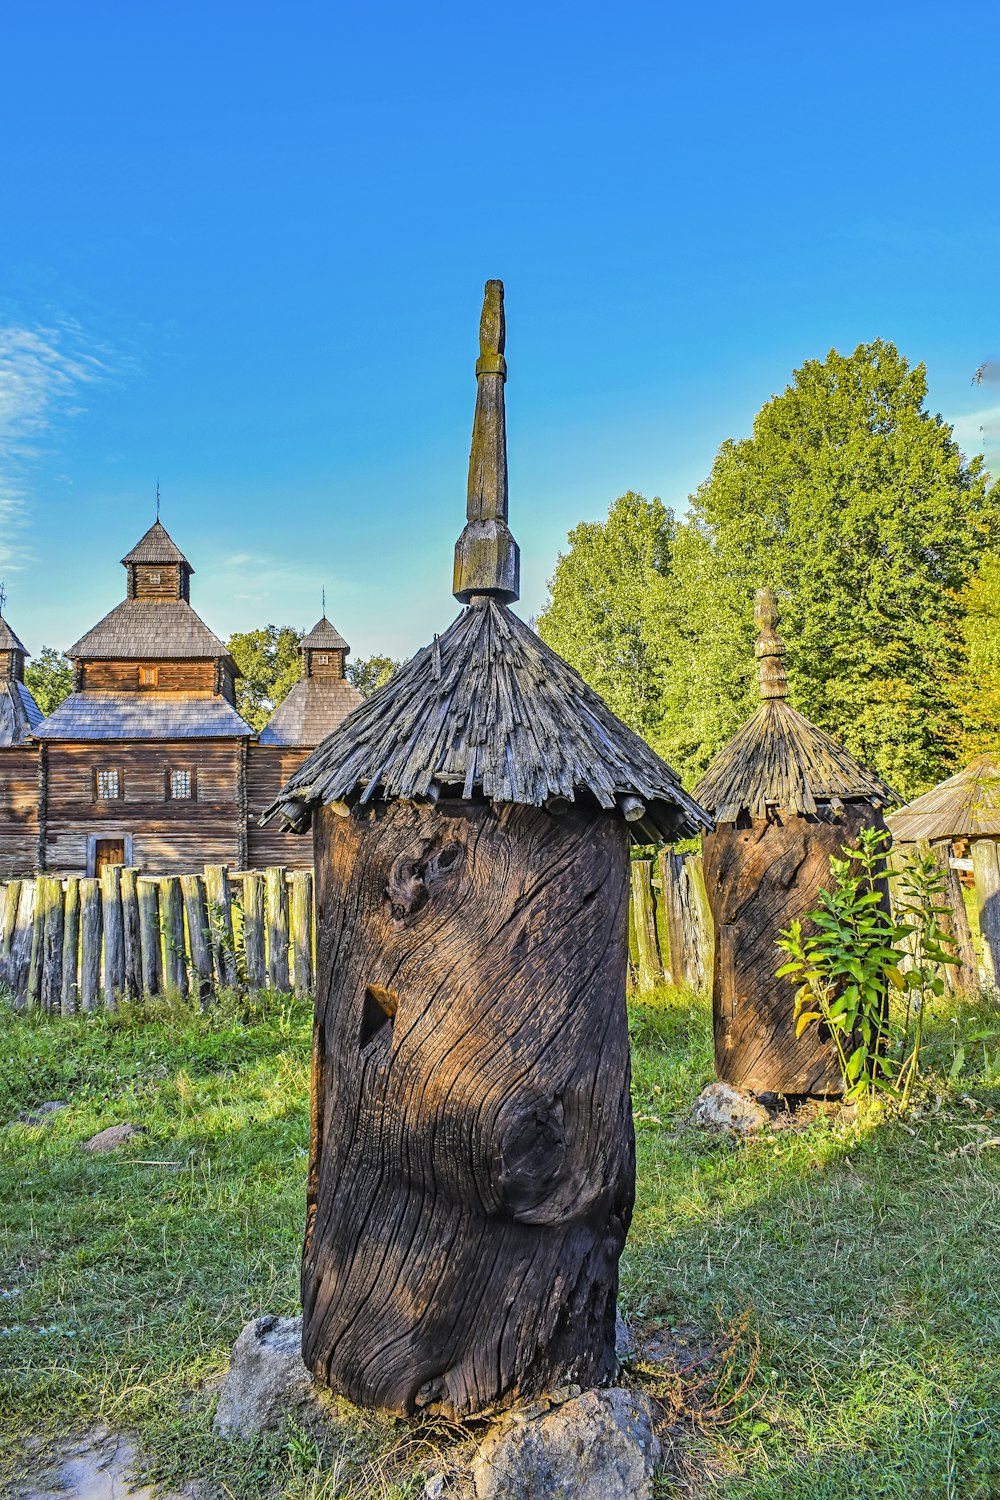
(784, 796)
(471, 1169)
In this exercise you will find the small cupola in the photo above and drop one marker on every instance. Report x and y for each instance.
(157, 568)
(323, 651)
(12, 654)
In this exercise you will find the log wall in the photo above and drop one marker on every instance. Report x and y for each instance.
(19, 804)
(268, 768)
(168, 837)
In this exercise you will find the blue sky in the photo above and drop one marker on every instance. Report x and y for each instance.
(242, 250)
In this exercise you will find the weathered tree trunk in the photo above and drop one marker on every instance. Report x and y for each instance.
(472, 1157)
(759, 878)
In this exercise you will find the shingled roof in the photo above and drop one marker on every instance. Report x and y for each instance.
(157, 546)
(8, 640)
(967, 806)
(151, 628)
(488, 710)
(19, 713)
(779, 758)
(324, 637)
(142, 716)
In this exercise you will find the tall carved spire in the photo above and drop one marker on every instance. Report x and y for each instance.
(770, 646)
(487, 560)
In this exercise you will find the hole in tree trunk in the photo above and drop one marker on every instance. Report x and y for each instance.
(378, 1013)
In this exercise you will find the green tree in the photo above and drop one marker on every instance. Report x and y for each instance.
(49, 678)
(269, 661)
(370, 673)
(977, 687)
(605, 603)
(856, 504)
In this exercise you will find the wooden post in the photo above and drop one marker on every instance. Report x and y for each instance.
(147, 896)
(21, 944)
(650, 969)
(703, 930)
(196, 912)
(132, 942)
(301, 930)
(90, 944)
(987, 872)
(52, 941)
(963, 977)
(219, 896)
(253, 930)
(12, 896)
(114, 934)
(71, 946)
(276, 906)
(172, 924)
(36, 958)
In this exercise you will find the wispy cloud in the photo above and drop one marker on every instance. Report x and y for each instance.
(979, 432)
(43, 373)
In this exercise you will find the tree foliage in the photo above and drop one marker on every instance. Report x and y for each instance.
(49, 678)
(370, 673)
(269, 661)
(853, 502)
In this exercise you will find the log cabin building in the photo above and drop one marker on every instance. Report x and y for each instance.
(19, 760)
(148, 762)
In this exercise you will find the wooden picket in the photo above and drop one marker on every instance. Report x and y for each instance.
(70, 944)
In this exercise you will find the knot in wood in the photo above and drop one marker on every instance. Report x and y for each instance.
(410, 885)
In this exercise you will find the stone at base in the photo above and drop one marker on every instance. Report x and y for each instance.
(599, 1446)
(721, 1107)
(266, 1381)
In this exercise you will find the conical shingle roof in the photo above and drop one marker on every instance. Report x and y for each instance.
(966, 805)
(488, 710)
(8, 640)
(157, 546)
(324, 637)
(779, 758)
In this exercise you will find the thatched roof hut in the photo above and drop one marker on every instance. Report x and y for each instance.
(785, 796)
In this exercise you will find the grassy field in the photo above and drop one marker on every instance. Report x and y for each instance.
(827, 1294)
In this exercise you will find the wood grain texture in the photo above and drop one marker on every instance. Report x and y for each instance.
(472, 1158)
(759, 878)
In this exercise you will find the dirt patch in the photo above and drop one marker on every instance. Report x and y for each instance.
(97, 1466)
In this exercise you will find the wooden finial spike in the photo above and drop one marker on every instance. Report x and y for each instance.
(157, 499)
(487, 560)
(770, 646)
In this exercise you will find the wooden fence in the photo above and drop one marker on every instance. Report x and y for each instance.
(670, 931)
(71, 944)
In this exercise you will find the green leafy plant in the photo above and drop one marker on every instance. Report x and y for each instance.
(861, 951)
(845, 968)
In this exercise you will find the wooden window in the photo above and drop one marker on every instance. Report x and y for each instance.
(323, 660)
(147, 676)
(154, 578)
(181, 784)
(108, 784)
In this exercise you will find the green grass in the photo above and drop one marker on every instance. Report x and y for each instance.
(845, 1272)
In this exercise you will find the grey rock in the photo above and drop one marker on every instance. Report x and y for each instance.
(113, 1137)
(42, 1114)
(721, 1107)
(624, 1342)
(599, 1446)
(266, 1381)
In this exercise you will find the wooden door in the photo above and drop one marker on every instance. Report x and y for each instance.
(108, 852)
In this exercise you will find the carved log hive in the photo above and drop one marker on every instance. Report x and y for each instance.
(759, 878)
(785, 796)
(472, 1158)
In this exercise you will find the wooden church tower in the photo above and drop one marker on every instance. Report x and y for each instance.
(471, 1171)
